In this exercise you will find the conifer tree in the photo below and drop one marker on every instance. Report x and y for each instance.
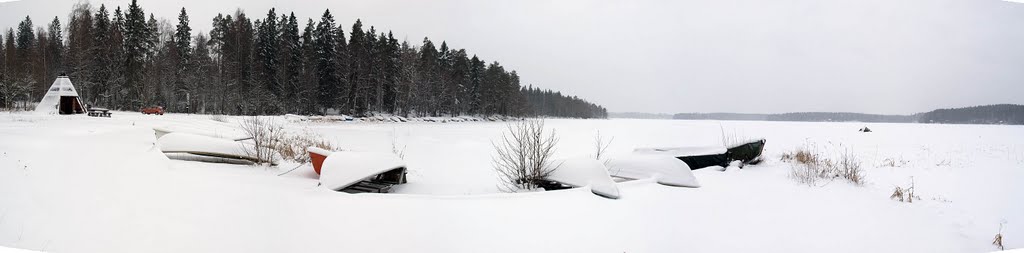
(325, 40)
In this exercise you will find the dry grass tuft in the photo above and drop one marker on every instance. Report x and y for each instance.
(905, 194)
(812, 167)
(293, 146)
(998, 241)
(893, 162)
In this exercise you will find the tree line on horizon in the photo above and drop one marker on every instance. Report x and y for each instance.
(123, 60)
(1000, 114)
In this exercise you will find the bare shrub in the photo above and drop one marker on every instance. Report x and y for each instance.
(524, 155)
(600, 145)
(265, 134)
(813, 166)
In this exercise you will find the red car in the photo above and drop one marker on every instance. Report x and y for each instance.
(153, 110)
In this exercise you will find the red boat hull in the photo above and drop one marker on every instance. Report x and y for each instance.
(317, 157)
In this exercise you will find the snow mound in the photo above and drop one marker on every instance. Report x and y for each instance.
(664, 169)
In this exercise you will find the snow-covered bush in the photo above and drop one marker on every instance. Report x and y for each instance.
(265, 134)
(812, 166)
(523, 155)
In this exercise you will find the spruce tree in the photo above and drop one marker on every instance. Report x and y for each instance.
(55, 48)
(428, 71)
(3, 60)
(358, 55)
(136, 38)
(308, 96)
(476, 72)
(267, 56)
(183, 38)
(10, 55)
(97, 83)
(325, 41)
(116, 90)
(184, 71)
(291, 60)
(26, 42)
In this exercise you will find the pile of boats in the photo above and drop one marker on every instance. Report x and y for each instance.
(666, 166)
(378, 172)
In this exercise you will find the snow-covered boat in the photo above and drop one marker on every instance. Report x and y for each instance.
(702, 157)
(211, 149)
(210, 130)
(356, 172)
(580, 172)
(666, 170)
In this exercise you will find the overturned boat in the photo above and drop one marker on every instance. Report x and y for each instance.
(202, 148)
(581, 172)
(665, 170)
(701, 157)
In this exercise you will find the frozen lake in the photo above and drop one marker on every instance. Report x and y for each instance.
(80, 184)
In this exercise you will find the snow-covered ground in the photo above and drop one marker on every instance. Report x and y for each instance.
(81, 184)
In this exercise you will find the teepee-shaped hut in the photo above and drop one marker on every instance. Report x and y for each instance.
(61, 98)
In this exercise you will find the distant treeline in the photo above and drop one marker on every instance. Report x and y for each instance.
(122, 59)
(988, 114)
(639, 115)
(801, 116)
(1006, 114)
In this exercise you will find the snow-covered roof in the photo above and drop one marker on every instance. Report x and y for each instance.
(682, 151)
(60, 88)
(666, 170)
(345, 168)
(581, 172)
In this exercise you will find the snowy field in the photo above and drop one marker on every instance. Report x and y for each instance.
(81, 184)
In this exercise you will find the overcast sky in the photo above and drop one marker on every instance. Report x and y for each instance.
(756, 56)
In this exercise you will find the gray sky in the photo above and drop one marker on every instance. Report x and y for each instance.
(752, 56)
